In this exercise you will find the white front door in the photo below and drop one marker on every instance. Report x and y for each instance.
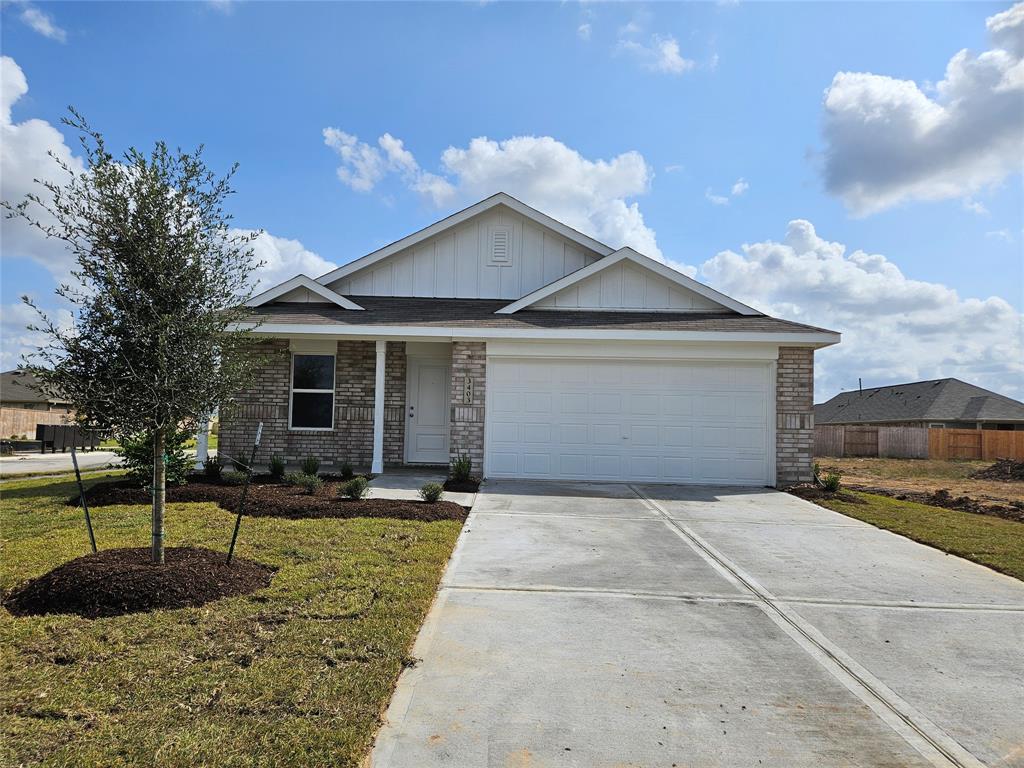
(643, 420)
(426, 411)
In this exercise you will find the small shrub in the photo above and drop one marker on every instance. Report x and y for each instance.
(431, 492)
(213, 467)
(310, 465)
(137, 457)
(461, 468)
(346, 471)
(356, 488)
(309, 483)
(234, 477)
(276, 467)
(831, 482)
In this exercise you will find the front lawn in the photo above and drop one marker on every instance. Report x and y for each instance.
(297, 674)
(991, 541)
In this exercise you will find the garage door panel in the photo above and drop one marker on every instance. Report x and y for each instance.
(667, 421)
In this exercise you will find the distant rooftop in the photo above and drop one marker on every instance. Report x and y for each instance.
(20, 387)
(936, 400)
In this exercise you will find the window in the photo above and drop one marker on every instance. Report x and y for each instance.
(312, 404)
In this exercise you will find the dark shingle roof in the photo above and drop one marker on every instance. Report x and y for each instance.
(938, 400)
(20, 387)
(479, 313)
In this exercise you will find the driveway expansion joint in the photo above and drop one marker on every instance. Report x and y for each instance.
(925, 736)
(598, 592)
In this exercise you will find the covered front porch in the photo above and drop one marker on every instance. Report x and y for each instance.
(371, 403)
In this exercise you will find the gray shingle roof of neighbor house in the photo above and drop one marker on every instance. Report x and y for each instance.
(480, 313)
(937, 400)
(20, 387)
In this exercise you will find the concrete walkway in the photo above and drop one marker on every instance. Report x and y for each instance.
(405, 483)
(608, 625)
(54, 463)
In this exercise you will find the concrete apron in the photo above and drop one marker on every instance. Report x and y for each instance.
(586, 625)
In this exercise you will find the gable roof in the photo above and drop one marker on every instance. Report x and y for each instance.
(646, 262)
(301, 281)
(935, 400)
(23, 387)
(500, 198)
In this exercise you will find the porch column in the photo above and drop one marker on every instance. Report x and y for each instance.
(378, 410)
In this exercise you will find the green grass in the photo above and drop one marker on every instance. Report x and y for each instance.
(991, 541)
(294, 675)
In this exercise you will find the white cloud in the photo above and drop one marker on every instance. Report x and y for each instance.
(41, 22)
(16, 340)
(227, 7)
(714, 199)
(974, 206)
(23, 157)
(660, 53)
(739, 187)
(583, 31)
(674, 168)
(593, 196)
(283, 259)
(895, 329)
(1000, 234)
(890, 142)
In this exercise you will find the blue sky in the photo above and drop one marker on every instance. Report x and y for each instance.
(688, 130)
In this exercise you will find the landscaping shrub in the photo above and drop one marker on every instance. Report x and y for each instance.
(831, 482)
(309, 483)
(234, 477)
(310, 465)
(213, 467)
(461, 468)
(137, 452)
(346, 471)
(276, 467)
(356, 488)
(431, 492)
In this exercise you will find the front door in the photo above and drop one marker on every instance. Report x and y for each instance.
(427, 406)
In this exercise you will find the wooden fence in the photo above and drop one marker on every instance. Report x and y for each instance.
(918, 443)
(22, 421)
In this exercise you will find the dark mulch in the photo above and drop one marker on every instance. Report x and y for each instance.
(943, 498)
(817, 493)
(462, 486)
(1004, 469)
(114, 582)
(268, 498)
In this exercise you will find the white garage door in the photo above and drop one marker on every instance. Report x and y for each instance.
(642, 420)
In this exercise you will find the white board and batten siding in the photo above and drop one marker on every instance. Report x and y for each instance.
(627, 287)
(498, 254)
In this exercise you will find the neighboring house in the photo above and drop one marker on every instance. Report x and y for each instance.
(538, 351)
(18, 389)
(949, 403)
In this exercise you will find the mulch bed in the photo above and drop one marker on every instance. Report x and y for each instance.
(1004, 469)
(268, 498)
(114, 582)
(943, 498)
(817, 493)
(462, 486)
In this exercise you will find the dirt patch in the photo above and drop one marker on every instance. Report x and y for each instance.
(817, 493)
(268, 498)
(462, 486)
(1006, 470)
(114, 582)
(943, 498)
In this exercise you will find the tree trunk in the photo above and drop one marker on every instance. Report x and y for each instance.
(159, 496)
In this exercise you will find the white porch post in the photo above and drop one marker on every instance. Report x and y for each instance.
(202, 444)
(378, 410)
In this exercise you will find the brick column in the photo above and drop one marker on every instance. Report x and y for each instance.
(794, 415)
(394, 404)
(469, 371)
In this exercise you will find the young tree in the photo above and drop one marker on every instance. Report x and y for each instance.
(160, 281)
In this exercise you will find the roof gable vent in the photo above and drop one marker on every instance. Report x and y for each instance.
(501, 245)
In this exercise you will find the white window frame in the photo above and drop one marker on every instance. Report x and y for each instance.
(937, 425)
(292, 390)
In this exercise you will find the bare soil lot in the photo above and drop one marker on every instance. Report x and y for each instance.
(926, 476)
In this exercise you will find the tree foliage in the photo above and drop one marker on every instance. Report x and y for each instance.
(159, 283)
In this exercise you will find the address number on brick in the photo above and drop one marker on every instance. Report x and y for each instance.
(467, 392)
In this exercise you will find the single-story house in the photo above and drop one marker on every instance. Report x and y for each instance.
(941, 403)
(20, 389)
(539, 352)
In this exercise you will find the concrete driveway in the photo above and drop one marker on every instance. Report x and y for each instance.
(609, 625)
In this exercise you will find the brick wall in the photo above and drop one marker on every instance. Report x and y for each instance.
(794, 415)
(469, 363)
(352, 437)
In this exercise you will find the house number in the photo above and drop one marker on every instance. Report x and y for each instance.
(467, 392)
